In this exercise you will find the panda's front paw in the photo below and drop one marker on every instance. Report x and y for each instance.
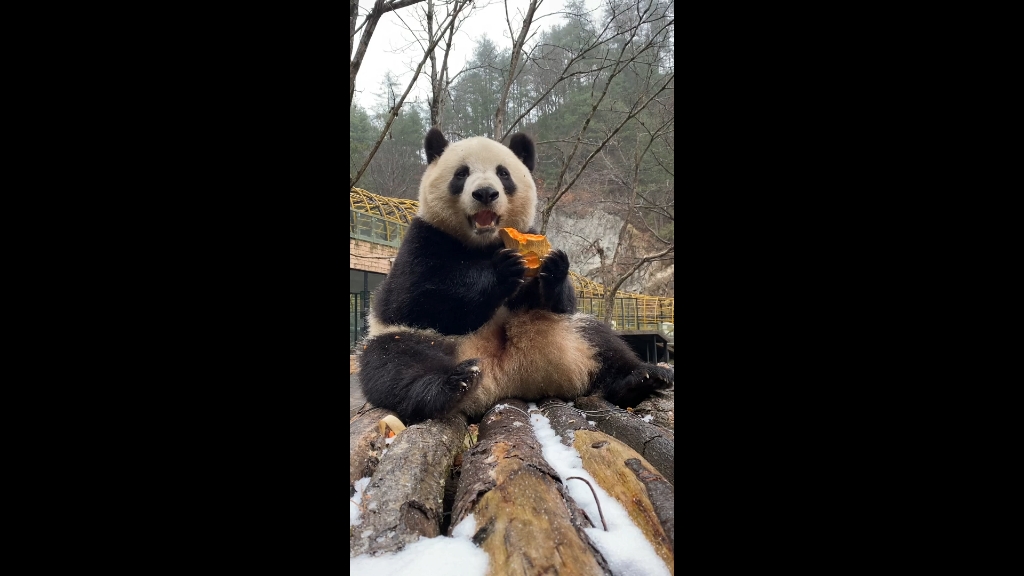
(509, 266)
(555, 267)
(465, 375)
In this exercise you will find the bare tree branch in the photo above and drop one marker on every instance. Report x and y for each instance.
(517, 51)
(369, 24)
(458, 5)
(546, 213)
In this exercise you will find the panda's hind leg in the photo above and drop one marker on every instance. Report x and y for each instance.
(636, 386)
(622, 378)
(415, 374)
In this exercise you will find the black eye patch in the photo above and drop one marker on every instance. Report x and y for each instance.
(506, 179)
(458, 181)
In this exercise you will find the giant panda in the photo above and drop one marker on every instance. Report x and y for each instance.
(455, 326)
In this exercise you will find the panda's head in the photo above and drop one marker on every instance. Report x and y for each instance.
(475, 186)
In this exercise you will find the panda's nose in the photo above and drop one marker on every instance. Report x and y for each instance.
(485, 195)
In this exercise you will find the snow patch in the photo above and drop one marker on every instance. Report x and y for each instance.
(353, 504)
(429, 556)
(466, 528)
(648, 418)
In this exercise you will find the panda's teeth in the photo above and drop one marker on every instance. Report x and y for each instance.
(484, 219)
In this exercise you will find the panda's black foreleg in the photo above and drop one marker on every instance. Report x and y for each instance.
(622, 378)
(550, 290)
(556, 289)
(414, 375)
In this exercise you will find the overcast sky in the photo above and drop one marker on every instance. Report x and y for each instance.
(390, 47)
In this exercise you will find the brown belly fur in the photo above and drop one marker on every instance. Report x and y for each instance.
(529, 355)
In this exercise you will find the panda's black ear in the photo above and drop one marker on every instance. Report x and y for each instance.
(434, 144)
(522, 146)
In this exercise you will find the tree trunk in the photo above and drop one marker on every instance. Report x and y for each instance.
(525, 521)
(365, 445)
(517, 50)
(661, 494)
(661, 407)
(605, 459)
(404, 500)
(353, 15)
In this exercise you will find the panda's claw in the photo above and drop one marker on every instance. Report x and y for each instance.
(633, 388)
(555, 265)
(465, 375)
(509, 264)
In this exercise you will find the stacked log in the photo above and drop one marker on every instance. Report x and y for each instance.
(625, 475)
(403, 501)
(653, 442)
(525, 519)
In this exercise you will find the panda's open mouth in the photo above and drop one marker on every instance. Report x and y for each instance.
(484, 221)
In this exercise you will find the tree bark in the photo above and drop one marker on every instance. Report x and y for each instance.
(525, 521)
(661, 407)
(661, 494)
(404, 500)
(365, 445)
(654, 443)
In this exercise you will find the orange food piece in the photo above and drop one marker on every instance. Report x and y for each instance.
(533, 247)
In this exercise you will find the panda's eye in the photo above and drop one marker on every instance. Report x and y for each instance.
(462, 173)
(502, 173)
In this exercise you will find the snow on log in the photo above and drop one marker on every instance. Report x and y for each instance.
(403, 500)
(654, 443)
(565, 420)
(621, 471)
(525, 521)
